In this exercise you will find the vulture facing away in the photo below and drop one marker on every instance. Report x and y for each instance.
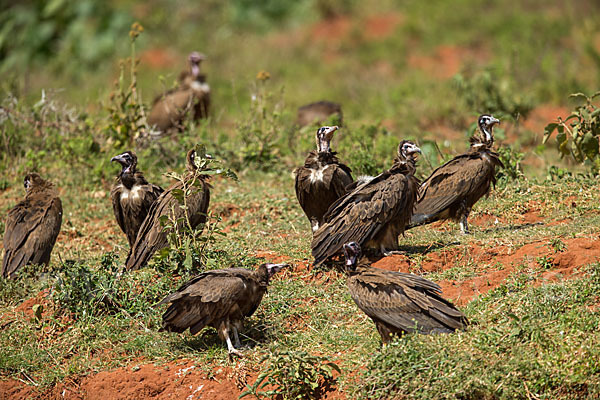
(131, 196)
(192, 95)
(220, 299)
(398, 302)
(453, 188)
(318, 112)
(152, 236)
(32, 226)
(375, 213)
(322, 180)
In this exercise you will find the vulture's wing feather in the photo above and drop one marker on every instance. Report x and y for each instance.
(404, 301)
(448, 184)
(115, 197)
(360, 215)
(204, 300)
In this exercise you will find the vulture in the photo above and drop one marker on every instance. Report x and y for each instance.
(152, 236)
(375, 213)
(318, 112)
(398, 302)
(322, 179)
(192, 95)
(32, 226)
(219, 298)
(453, 188)
(131, 196)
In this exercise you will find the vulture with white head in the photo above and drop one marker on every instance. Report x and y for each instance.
(152, 236)
(375, 213)
(191, 96)
(220, 299)
(322, 179)
(32, 226)
(453, 188)
(397, 302)
(131, 196)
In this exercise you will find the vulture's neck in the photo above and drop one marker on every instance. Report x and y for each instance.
(128, 178)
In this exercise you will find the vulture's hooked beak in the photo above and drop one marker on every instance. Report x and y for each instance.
(120, 159)
(274, 268)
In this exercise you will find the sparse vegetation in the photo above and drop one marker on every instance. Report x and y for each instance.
(527, 276)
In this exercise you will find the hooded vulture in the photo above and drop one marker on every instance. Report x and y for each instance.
(322, 179)
(131, 196)
(192, 95)
(32, 226)
(375, 213)
(318, 112)
(452, 189)
(397, 302)
(220, 299)
(152, 236)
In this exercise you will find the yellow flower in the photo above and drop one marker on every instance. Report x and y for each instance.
(263, 75)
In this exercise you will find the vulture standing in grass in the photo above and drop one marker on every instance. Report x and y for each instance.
(452, 189)
(322, 179)
(221, 299)
(131, 196)
(152, 235)
(318, 112)
(192, 95)
(32, 226)
(397, 302)
(375, 213)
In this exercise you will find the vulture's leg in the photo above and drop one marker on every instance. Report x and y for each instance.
(236, 338)
(387, 253)
(464, 225)
(225, 333)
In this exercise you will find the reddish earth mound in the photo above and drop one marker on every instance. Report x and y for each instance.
(446, 61)
(537, 256)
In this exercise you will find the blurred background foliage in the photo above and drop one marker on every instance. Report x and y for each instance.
(400, 69)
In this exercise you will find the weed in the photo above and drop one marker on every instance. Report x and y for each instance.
(545, 262)
(292, 375)
(579, 137)
(558, 245)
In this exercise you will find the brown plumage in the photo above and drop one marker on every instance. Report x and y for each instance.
(32, 226)
(152, 236)
(375, 213)
(322, 179)
(131, 196)
(192, 95)
(221, 299)
(398, 302)
(452, 189)
(318, 112)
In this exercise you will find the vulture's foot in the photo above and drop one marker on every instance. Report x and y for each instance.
(393, 252)
(464, 226)
(236, 353)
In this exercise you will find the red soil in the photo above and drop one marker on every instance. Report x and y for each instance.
(542, 116)
(158, 58)
(446, 61)
(579, 252)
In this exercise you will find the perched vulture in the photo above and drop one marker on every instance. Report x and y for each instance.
(131, 196)
(32, 226)
(318, 112)
(192, 95)
(397, 302)
(221, 299)
(452, 189)
(375, 213)
(322, 180)
(152, 235)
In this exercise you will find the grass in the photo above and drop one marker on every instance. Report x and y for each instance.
(531, 338)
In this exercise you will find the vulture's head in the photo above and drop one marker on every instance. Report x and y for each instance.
(195, 59)
(486, 124)
(407, 150)
(128, 161)
(324, 136)
(191, 160)
(352, 254)
(266, 271)
(31, 181)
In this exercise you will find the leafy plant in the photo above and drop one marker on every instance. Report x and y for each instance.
(127, 118)
(488, 92)
(292, 375)
(187, 245)
(512, 165)
(577, 135)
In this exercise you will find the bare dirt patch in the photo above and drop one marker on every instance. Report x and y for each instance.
(446, 61)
